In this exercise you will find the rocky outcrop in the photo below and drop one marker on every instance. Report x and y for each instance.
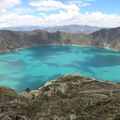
(4, 90)
(72, 97)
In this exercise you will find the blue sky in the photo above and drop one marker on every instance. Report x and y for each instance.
(102, 13)
(106, 6)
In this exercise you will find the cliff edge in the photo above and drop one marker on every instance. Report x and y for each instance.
(71, 97)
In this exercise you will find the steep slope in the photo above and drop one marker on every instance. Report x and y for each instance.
(107, 38)
(7, 91)
(10, 40)
(72, 97)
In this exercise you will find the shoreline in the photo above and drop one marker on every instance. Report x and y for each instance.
(50, 82)
(53, 81)
(76, 45)
(69, 95)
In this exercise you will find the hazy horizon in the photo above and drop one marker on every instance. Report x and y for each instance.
(55, 26)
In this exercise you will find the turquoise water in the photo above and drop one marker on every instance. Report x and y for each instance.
(35, 66)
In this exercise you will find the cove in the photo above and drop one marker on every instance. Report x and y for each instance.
(33, 67)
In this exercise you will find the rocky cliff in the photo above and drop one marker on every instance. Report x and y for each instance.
(10, 40)
(72, 97)
(106, 38)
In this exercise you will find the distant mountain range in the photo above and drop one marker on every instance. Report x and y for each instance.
(105, 38)
(22, 28)
(66, 28)
(73, 29)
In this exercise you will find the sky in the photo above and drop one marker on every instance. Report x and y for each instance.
(101, 13)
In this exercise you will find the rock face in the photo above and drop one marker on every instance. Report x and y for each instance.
(7, 94)
(106, 38)
(10, 40)
(72, 97)
(7, 91)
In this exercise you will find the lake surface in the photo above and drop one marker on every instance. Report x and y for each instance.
(35, 66)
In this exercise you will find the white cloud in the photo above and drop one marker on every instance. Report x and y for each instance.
(67, 13)
(23, 11)
(50, 5)
(80, 3)
(47, 5)
(94, 19)
(5, 4)
(14, 19)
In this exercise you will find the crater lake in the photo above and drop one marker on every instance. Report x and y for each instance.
(33, 67)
